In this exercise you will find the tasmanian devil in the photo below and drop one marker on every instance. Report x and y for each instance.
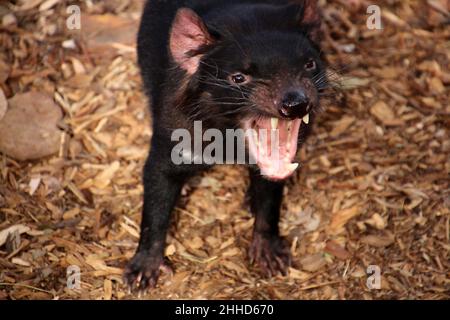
(231, 64)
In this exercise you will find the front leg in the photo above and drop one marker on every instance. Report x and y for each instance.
(268, 250)
(162, 187)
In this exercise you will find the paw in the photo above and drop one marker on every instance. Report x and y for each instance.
(143, 271)
(271, 254)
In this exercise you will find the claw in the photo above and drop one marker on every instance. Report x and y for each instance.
(270, 254)
(152, 283)
(143, 272)
(138, 279)
(282, 266)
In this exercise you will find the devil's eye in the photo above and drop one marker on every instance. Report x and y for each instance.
(310, 65)
(238, 78)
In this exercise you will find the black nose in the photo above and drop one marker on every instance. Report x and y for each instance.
(295, 104)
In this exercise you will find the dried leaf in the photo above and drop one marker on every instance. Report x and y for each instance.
(170, 250)
(196, 243)
(394, 19)
(313, 263)
(349, 83)
(20, 262)
(337, 250)
(377, 221)
(380, 241)
(298, 275)
(48, 5)
(383, 113)
(340, 219)
(34, 185)
(107, 288)
(341, 126)
(99, 264)
(103, 179)
(19, 228)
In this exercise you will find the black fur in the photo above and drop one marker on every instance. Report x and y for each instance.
(266, 39)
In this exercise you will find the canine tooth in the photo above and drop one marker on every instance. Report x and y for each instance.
(306, 119)
(293, 166)
(274, 123)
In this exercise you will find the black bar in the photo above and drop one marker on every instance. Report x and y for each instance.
(180, 310)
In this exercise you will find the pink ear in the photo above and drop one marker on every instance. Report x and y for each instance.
(311, 17)
(188, 35)
(311, 14)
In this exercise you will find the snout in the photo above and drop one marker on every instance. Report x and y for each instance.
(295, 104)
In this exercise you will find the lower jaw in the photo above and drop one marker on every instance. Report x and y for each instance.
(275, 160)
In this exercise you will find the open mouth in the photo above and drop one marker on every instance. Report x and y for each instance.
(273, 145)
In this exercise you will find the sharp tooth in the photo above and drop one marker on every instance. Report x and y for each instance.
(274, 123)
(293, 166)
(306, 119)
